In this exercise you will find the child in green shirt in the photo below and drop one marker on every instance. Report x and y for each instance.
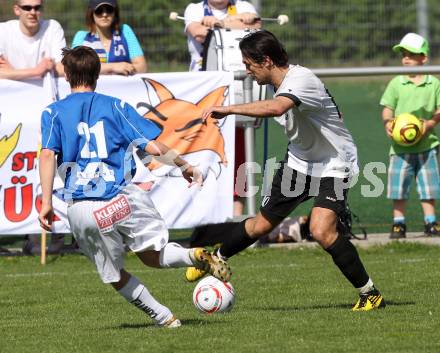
(418, 95)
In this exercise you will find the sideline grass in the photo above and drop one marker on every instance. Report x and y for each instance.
(287, 301)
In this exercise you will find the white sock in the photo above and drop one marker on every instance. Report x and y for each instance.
(138, 295)
(173, 255)
(220, 256)
(368, 287)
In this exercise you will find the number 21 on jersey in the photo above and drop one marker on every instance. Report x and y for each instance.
(98, 131)
(94, 170)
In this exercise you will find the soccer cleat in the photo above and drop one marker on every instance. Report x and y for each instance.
(398, 231)
(208, 262)
(432, 229)
(193, 274)
(172, 323)
(369, 301)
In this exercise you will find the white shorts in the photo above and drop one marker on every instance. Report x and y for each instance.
(102, 227)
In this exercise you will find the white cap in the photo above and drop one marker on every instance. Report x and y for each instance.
(414, 43)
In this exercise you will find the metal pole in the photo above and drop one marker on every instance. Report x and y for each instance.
(422, 18)
(249, 140)
(377, 71)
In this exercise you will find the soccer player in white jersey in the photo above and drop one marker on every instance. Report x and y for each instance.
(321, 159)
(91, 137)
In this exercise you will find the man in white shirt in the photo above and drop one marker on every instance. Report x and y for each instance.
(207, 14)
(321, 159)
(30, 46)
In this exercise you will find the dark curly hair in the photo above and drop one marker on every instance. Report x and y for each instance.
(261, 44)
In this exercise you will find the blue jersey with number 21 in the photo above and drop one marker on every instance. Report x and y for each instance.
(92, 135)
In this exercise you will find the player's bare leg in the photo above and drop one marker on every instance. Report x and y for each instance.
(173, 255)
(323, 226)
(323, 229)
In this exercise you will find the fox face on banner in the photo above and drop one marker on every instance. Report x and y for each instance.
(208, 145)
(182, 126)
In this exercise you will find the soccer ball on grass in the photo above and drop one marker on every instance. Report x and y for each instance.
(213, 296)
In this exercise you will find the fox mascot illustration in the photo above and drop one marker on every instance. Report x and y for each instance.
(184, 131)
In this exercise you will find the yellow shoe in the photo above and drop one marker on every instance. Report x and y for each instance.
(193, 274)
(208, 262)
(369, 301)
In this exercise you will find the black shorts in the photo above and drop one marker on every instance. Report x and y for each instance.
(291, 188)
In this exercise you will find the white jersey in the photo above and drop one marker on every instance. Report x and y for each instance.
(319, 143)
(23, 51)
(195, 13)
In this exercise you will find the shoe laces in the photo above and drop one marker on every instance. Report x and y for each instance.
(363, 298)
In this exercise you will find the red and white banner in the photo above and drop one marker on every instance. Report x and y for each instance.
(173, 100)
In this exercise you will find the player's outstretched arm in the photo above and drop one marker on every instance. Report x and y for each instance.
(168, 156)
(259, 109)
(47, 174)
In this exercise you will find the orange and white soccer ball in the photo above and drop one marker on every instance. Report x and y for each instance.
(407, 129)
(213, 296)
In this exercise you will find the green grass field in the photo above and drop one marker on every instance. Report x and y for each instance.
(287, 301)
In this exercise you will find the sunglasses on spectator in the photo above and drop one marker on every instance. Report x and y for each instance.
(104, 8)
(29, 8)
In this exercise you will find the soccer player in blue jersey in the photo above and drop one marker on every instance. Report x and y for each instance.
(91, 137)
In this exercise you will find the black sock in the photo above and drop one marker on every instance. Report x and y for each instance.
(346, 257)
(211, 234)
(236, 241)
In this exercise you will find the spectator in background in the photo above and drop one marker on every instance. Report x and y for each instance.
(30, 46)
(116, 45)
(199, 19)
(418, 95)
(207, 14)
